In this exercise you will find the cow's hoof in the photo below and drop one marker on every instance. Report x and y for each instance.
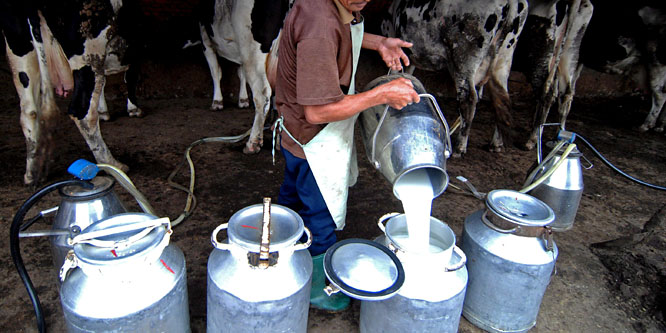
(496, 149)
(104, 116)
(457, 154)
(136, 113)
(659, 129)
(643, 128)
(252, 148)
(123, 167)
(217, 106)
(243, 103)
(529, 145)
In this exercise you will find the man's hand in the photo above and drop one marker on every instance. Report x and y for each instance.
(391, 51)
(399, 93)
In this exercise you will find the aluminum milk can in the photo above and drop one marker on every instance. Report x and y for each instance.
(80, 207)
(400, 141)
(511, 256)
(259, 280)
(431, 299)
(563, 190)
(124, 276)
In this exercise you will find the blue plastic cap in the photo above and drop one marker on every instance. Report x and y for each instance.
(566, 136)
(83, 169)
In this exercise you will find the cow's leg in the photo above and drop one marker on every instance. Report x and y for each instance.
(243, 100)
(261, 96)
(90, 130)
(662, 121)
(26, 77)
(569, 68)
(658, 88)
(131, 78)
(502, 104)
(566, 98)
(103, 108)
(467, 98)
(215, 69)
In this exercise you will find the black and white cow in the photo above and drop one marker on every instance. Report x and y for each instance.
(630, 39)
(473, 40)
(66, 48)
(548, 55)
(244, 32)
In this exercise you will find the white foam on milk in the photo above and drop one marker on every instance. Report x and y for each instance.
(416, 193)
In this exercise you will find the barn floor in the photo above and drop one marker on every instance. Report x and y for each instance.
(618, 288)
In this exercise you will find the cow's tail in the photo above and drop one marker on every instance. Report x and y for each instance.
(272, 61)
(502, 105)
(59, 70)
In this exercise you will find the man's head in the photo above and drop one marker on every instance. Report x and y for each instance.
(354, 5)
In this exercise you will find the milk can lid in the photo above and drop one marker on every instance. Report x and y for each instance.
(135, 245)
(364, 269)
(245, 226)
(519, 208)
(101, 184)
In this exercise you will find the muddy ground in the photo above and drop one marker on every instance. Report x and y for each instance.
(620, 287)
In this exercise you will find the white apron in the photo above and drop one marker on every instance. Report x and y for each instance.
(331, 153)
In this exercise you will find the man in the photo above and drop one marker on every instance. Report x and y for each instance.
(319, 48)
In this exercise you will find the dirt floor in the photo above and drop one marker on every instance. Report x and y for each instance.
(618, 287)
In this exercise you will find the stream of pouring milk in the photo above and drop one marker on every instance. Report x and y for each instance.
(416, 193)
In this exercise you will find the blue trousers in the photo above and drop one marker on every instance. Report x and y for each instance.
(299, 191)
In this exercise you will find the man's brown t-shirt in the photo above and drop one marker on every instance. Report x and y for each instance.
(314, 66)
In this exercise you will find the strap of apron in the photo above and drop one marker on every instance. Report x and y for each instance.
(278, 127)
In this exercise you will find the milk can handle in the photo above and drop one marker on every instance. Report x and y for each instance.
(307, 244)
(381, 220)
(213, 237)
(374, 138)
(441, 117)
(492, 226)
(460, 264)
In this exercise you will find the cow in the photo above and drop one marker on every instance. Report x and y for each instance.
(630, 39)
(548, 55)
(64, 48)
(474, 41)
(246, 33)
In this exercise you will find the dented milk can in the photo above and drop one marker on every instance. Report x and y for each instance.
(398, 142)
(511, 257)
(431, 298)
(123, 276)
(259, 280)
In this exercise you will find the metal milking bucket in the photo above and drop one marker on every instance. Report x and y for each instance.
(123, 275)
(79, 208)
(259, 278)
(431, 298)
(563, 189)
(398, 142)
(511, 257)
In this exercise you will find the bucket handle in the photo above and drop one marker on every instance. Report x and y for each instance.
(381, 220)
(303, 246)
(213, 237)
(460, 264)
(441, 117)
(227, 247)
(432, 100)
(94, 237)
(492, 226)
